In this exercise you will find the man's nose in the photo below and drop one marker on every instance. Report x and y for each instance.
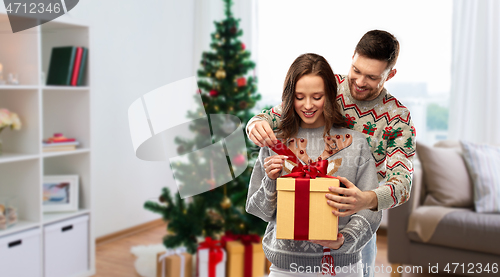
(361, 81)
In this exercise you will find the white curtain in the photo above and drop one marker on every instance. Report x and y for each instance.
(208, 11)
(475, 89)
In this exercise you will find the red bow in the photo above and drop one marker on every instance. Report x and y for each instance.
(315, 169)
(215, 254)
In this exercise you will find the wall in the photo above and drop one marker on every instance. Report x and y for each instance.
(136, 46)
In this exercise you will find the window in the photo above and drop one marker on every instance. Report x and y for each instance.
(287, 29)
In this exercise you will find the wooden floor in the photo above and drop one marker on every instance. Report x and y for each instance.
(114, 258)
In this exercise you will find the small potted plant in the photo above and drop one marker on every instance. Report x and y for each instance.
(8, 119)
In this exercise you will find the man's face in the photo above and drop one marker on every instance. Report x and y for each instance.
(367, 77)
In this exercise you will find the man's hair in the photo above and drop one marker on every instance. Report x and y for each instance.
(304, 65)
(379, 45)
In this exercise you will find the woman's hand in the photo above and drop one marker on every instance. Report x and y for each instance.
(332, 244)
(352, 200)
(260, 133)
(273, 166)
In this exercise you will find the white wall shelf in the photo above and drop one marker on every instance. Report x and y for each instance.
(44, 110)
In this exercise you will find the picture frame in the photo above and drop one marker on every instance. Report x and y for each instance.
(60, 193)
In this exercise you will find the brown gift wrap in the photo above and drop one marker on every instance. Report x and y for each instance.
(305, 221)
(173, 265)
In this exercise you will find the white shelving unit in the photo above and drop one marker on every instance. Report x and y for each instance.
(44, 110)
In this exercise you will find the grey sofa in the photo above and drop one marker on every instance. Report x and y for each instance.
(463, 236)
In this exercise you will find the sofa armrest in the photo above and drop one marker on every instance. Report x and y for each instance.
(398, 242)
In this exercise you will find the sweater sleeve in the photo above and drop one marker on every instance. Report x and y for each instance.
(399, 165)
(262, 194)
(362, 225)
(272, 116)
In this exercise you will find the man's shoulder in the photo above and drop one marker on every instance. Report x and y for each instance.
(340, 78)
(391, 99)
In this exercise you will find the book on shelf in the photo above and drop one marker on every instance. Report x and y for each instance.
(59, 148)
(83, 64)
(61, 65)
(67, 66)
(59, 144)
(76, 68)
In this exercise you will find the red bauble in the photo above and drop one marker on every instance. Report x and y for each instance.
(243, 46)
(214, 93)
(241, 82)
(239, 160)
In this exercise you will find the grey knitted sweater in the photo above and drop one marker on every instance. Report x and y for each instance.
(352, 160)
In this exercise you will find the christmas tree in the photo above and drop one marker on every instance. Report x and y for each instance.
(225, 88)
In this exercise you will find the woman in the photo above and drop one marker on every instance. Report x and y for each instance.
(313, 128)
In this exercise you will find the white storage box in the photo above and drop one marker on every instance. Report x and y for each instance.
(67, 247)
(20, 254)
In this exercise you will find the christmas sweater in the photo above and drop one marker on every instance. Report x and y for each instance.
(349, 156)
(389, 131)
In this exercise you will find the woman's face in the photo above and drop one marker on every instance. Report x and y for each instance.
(310, 100)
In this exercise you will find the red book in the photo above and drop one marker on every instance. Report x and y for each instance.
(76, 68)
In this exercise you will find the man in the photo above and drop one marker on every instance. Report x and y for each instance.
(368, 108)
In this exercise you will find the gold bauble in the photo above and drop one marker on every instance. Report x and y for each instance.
(217, 36)
(220, 74)
(242, 226)
(226, 203)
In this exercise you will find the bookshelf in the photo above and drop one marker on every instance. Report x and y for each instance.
(44, 110)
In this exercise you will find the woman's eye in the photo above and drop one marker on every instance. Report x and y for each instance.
(299, 98)
(319, 98)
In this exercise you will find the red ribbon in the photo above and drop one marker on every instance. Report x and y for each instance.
(303, 174)
(215, 254)
(247, 241)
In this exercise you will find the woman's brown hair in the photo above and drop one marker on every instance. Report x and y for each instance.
(304, 65)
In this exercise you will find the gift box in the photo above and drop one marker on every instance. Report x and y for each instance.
(174, 263)
(245, 255)
(302, 212)
(211, 259)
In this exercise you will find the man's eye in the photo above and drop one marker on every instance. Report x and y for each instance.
(372, 78)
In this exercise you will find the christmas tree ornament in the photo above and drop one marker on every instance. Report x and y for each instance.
(243, 105)
(241, 82)
(214, 93)
(233, 30)
(217, 36)
(220, 74)
(242, 226)
(161, 199)
(226, 203)
(180, 149)
(243, 46)
(228, 126)
(216, 108)
(239, 160)
(199, 91)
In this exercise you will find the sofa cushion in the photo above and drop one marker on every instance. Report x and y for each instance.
(466, 230)
(483, 162)
(446, 178)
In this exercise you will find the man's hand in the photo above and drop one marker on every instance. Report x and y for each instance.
(260, 133)
(273, 166)
(353, 199)
(332, 244)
